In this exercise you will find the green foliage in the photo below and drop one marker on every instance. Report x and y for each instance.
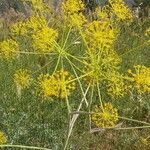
(72, 82)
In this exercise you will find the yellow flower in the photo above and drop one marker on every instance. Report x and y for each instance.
(59, 84)
(38, 5)
(9, 48)
(100, 34)
(76, 20)
(35, 23)
(36, 30)
(47, 86)
(64, 84)
(19, 29)
(121, 10)
(43, 40)
(95, 71)
(111, 60)
(116, 86)
(3, 138)
(103, 13)
(29, 26)
(141, 78)
(22, 78)
(100, 67)
(106, 116)
(72, 13)
(72, 6)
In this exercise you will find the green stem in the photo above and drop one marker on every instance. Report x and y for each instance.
(99, 94)
(58, 60)
(80, 84)
(26, 147)
(129, 119)
(66, 38)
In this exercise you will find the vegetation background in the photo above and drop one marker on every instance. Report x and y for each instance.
(30, 121)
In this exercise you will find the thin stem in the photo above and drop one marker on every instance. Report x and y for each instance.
(129, 128)
(42, 67)
(59, 57)
(116, 128)
(99, 94)
(26, 147)
(66, 38)
(77, 79)
(63, 78)
(85, 75)
(77, 67)
(129, 119)
(91, 99)
(76, 59)
(74, 118)
(34, 53)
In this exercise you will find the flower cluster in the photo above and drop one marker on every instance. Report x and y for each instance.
(43, 40)
(72, 10)
(38, 5)
(111, 60)
(9, 49)
(141, 78)
(100, 34)
(77, 20)
(35, 23)
(72, 6)
(105, 116)
(116, 86)
(95, 71)
(29, 26)
(121, 10)
(101, 67)
(3, 138)
(103, 13)
(59, 84)
(22, 78)
(37, 31)
(64, 84)
(46, 86)
(19, 29)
